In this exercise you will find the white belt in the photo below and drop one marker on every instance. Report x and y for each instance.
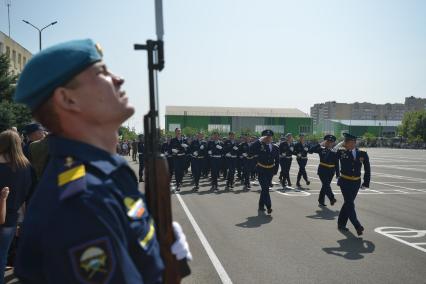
(180, 154)
(216, 156)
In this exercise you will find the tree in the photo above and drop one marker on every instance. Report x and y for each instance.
(127, 134)
(11, 114)
(414, 126)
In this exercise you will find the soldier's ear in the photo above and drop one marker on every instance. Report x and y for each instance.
(64, 98)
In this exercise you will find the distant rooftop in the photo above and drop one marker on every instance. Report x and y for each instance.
(234, 111)
(357, 122)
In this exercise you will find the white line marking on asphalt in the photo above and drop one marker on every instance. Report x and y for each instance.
(392, 234)
(213, 257)
(294, 193)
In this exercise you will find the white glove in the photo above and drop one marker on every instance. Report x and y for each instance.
(291, 148)
(245, 154)
(219, 147)
(306, 148)
(235, 148)
(202, 147)
(175, 151)
(299, 155)
(180, 247)
(195, 153)
(228, 155)
(210, 152)
(184, 145)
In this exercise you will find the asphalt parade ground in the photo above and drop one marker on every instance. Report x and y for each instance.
(299, 242)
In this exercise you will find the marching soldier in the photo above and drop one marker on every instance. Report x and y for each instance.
(327, 168)
(351, 160)
(301, 150)
(252, 161)
(215, 150)
(267, 166)
(165, 149)
(231, 156)
(87, 221)
(197, 158)
(141, 151)
(134, 150)
(243, 153)
(179, 146)
(286, 157)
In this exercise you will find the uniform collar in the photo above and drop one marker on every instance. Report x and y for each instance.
(86, 153)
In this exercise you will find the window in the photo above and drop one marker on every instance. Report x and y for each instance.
(173, 126)
(14, 58)
(304, 129)
(219, 127)
(19, 61)
(25, 61)
(275, 128)
(8, 51)
(1, 48)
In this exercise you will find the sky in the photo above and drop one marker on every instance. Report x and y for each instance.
(246, 53)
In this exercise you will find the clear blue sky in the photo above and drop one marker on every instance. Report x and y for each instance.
(247, 53)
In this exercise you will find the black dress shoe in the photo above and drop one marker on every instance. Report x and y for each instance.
(322, 205)
(343, 229)
(298, 184)
(360, 230)
(141, 180)
(332, 202)
(178, 188)
(289, 183)
(269, 210)
(261, 209)
(308, 182)
(196, 188)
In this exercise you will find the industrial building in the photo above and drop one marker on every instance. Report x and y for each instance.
(224, 119)
(18, 55)
(380, 128)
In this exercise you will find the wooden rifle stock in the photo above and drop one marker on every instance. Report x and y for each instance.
(157, 182)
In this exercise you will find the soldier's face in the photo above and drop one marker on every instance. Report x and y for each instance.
(328, 144)
(178, 133)
(98, 96)
(350, 144)
(290, 139)
(231, 136)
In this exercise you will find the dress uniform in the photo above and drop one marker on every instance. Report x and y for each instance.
(204, 161)
(286, 157)
(231, 156)
(165, 149)
(179, 146)
(34, 132)
(327, 168)
(253, 161)
(301, 150)
(141, 151)
(87, 221)
(351, 160)
(196, 161)
(215, 151)
(245, 158)
(267, 166)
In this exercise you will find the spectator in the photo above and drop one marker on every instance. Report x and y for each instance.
(15, 174)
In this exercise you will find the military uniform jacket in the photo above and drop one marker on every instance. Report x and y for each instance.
(181, 145)
(286, 150)
(141, 149)
(87, 222)
(267, 159)
(165, 149)
(198, 149)
(243, 150)
(301, 150)
(350, 167)
(329, 163)
(215, 149)
(231, 149)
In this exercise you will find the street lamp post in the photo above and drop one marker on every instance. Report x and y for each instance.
(40, 30)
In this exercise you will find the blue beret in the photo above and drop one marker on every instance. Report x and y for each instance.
(267, 132)
(53, 67)
(32, 127)
(349, 136)
(330, 137)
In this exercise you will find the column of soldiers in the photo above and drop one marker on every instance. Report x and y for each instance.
(246, 158)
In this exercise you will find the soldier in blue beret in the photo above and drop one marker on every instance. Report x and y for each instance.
(351, 160)
(327, 168)
(267, 166)
(87, 221)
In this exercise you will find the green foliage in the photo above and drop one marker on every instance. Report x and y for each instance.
(11, 114)
(127, 134)
(414, 126)
(369, 137)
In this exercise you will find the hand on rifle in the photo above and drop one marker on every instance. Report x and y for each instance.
(180, 247)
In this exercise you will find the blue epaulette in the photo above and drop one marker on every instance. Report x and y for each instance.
(71, 178)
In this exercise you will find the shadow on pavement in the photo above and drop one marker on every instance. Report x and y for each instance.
(325, 214)
(256, 221)
(352, 247)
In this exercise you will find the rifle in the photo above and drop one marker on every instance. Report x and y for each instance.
(157, 181)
